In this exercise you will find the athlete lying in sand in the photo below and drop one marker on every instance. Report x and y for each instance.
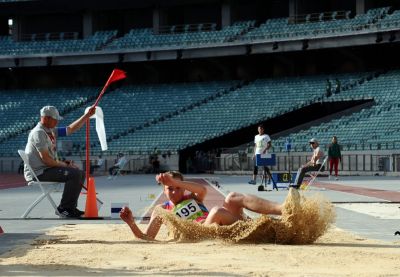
(186, 201)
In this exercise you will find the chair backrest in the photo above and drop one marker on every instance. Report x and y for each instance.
(123, 164)
(324, 161)
(24, 157)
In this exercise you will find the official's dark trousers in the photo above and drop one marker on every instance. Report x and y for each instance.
(73, 179)
(306, 169)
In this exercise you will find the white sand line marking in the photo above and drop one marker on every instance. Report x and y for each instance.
(220, 189)
(152, 205)
(377, 210)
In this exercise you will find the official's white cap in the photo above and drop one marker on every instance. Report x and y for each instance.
(50, 111)
(313, 140)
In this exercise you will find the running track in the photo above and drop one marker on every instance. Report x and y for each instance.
(11, 180)
(388, 195)
(214, 197)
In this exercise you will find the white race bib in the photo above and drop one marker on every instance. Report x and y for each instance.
(188, 209)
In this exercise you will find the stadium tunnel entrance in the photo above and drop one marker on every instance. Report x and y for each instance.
(276, 127)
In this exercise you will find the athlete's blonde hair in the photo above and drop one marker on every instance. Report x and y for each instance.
(174, 174)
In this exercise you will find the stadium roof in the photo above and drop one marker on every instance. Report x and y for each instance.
(23, 6)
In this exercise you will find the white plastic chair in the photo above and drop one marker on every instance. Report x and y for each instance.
(46, 187)
(315, 174)
(120, 168)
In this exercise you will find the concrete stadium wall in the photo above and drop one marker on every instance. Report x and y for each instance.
(136, 163)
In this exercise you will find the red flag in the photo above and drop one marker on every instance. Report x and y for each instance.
(116, 75)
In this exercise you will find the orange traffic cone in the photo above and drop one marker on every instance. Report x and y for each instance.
(91, 202)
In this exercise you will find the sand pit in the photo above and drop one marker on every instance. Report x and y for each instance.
(299, 243)
(111, 250)
(303, 221)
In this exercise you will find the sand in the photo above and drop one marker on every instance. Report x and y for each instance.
(302, 242)
(303, 221)
(110, 250)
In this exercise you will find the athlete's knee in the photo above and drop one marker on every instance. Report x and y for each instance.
(213, 215)
(234, 198)
(216, 210)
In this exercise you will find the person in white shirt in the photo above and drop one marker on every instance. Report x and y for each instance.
(314, 164)
(262, 142)
(98, 163)
(118, 165)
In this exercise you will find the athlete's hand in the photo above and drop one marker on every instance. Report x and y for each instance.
(164, 179)
(126, 215)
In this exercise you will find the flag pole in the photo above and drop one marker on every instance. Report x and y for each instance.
(87, 152)
(100, 95)
(116, 75)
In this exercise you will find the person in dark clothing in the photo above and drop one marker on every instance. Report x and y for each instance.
(328, 88)
(334, 157)
(337, 86)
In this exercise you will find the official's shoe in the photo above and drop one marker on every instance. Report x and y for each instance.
(79, 212)
(294, 186)
(252, 182)
(68, 213)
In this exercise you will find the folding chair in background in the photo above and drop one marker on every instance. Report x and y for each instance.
(46, 187)
(119, 169)
(314, 175)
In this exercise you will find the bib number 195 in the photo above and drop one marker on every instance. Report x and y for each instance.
(187, 209)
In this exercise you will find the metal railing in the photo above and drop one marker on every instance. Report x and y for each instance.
(186, 28)
(243, 162)
(350, 163)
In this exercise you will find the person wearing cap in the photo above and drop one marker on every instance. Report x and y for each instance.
(42, 154)
(98, 163)
(314, 164)
(121, 161)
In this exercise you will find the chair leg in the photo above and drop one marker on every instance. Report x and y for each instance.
(314, 177)
(297, 177)
(51, 200)
(47, 193)
(312, 180)
(116, 174)
(38, 200)
(34, 204)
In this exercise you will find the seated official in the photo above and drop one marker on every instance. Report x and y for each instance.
(314, 164)
(118, 165)
(98, 163)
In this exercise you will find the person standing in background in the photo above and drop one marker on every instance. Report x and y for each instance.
(334, 157)
(262, 142)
